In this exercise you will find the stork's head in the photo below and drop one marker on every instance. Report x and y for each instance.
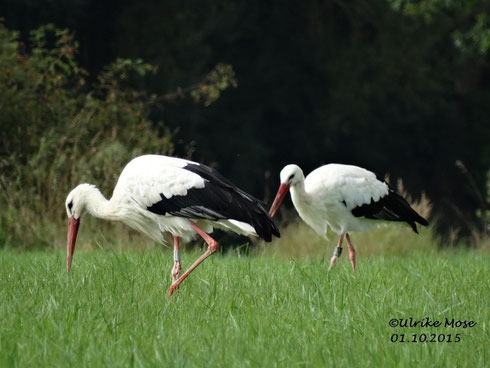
(77, 199)
(75, 208)
(291, 175)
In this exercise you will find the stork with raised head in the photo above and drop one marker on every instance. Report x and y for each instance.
(159, 194)
(344, 198)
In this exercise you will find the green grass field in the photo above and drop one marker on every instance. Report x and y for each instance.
(258, 311)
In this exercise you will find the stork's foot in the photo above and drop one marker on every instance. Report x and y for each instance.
(336, 254)
(173, 287)
(176, 271)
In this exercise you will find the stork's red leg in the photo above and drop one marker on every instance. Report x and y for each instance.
(336, 252)
(352, 252)
(212, 246)
(177, 267)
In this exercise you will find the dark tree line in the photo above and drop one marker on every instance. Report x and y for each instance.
(397, 87)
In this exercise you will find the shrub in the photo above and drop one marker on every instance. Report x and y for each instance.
(57, 130)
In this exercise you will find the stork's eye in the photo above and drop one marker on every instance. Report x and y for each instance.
(291, 177)
(70, 205)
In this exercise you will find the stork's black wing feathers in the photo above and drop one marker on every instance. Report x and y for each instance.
(391, 207)
(219, 199)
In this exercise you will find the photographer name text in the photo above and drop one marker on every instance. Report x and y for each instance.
(429, 323)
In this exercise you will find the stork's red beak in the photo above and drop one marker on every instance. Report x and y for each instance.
(71, 239)
(281, 193)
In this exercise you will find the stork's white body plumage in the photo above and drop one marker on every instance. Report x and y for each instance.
(141, 184)
(331, 192)
(159, 194)
(344, 198)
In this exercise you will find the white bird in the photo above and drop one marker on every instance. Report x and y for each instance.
(159, 194)
(343, 198)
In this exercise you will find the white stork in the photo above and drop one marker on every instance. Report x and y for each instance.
(345, 198)
(158, 194)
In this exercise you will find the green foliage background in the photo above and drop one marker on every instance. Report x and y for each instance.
(56, 131)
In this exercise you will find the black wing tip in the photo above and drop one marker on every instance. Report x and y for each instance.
(265, 227)
(419, 220)
(392, 207)
(275, 231)
(413, 226)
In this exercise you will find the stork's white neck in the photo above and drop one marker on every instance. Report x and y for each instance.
(98, 206)
(305, 205)
(299, 195)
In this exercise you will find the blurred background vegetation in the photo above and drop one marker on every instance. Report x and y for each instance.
(399, 87)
